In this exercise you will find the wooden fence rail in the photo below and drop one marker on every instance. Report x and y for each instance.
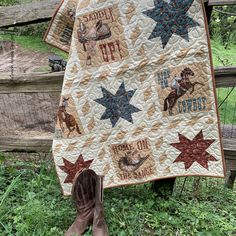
(41, 11)
(31, 83)
(220, 2)
(29, 103)
(26, 14)
(52, 82)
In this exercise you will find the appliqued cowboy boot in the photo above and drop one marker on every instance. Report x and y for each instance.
(99, 224)
(84, 196)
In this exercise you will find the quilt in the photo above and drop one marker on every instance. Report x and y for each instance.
(138, 101)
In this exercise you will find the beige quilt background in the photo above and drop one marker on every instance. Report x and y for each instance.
(141, 64)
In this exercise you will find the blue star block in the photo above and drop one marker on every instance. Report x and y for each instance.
(171, 19)
(117, 106)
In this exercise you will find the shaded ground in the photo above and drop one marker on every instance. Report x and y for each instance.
(24, 60)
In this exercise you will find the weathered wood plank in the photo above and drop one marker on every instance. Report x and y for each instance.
(229, 146)
(40, 11)
(29, 114)
(220, 2)
(225, 76)
(42, 82)
(31, 83)
(11, 144)
(44, 145)
(34, 12)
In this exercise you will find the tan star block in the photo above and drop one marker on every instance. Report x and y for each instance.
(85, 80)
(131, 11)
(71, 147)
(122, 70)
(155, 127)
(104, 137)
(163, 158)
(139, 130)
(101, 154)
(135, 34)
(141, 51)
(151, 110)
(88, 142)
(174, 124)
(86, 108)
(79, 94)
(147, 93)
(106, 169)
(83, 4)
(57, 148)
(159, 143)
(74, 69)
(104, 75)
(91, 124)
(120, 135)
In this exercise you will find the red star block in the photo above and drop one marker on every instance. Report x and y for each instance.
(194, 150)
(71, 169)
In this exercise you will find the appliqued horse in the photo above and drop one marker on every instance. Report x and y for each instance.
(68, 119)
(185, 85)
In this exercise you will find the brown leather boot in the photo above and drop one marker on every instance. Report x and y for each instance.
(84, 196)
(99, 224)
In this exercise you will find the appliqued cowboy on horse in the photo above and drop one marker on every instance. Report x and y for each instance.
(180, 86)
(176, 85)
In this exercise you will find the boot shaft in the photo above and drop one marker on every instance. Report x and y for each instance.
(87, 193)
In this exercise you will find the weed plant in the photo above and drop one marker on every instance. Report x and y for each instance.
(31, 203)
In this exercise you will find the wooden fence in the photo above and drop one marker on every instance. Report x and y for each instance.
(29, 103)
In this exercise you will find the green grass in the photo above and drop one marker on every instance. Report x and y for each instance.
(34, 43)
(228, 108)
(222, 56)
(31, 204)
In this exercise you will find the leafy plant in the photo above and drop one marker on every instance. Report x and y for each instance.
(32, 204)
(223, 25)
(8, 2)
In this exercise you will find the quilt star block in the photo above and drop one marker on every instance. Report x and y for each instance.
(171, 18)
(118, 105)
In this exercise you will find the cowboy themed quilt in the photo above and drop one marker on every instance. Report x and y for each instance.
(138, 100)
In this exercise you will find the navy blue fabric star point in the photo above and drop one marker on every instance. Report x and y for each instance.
(171, 19)
(118, 105)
